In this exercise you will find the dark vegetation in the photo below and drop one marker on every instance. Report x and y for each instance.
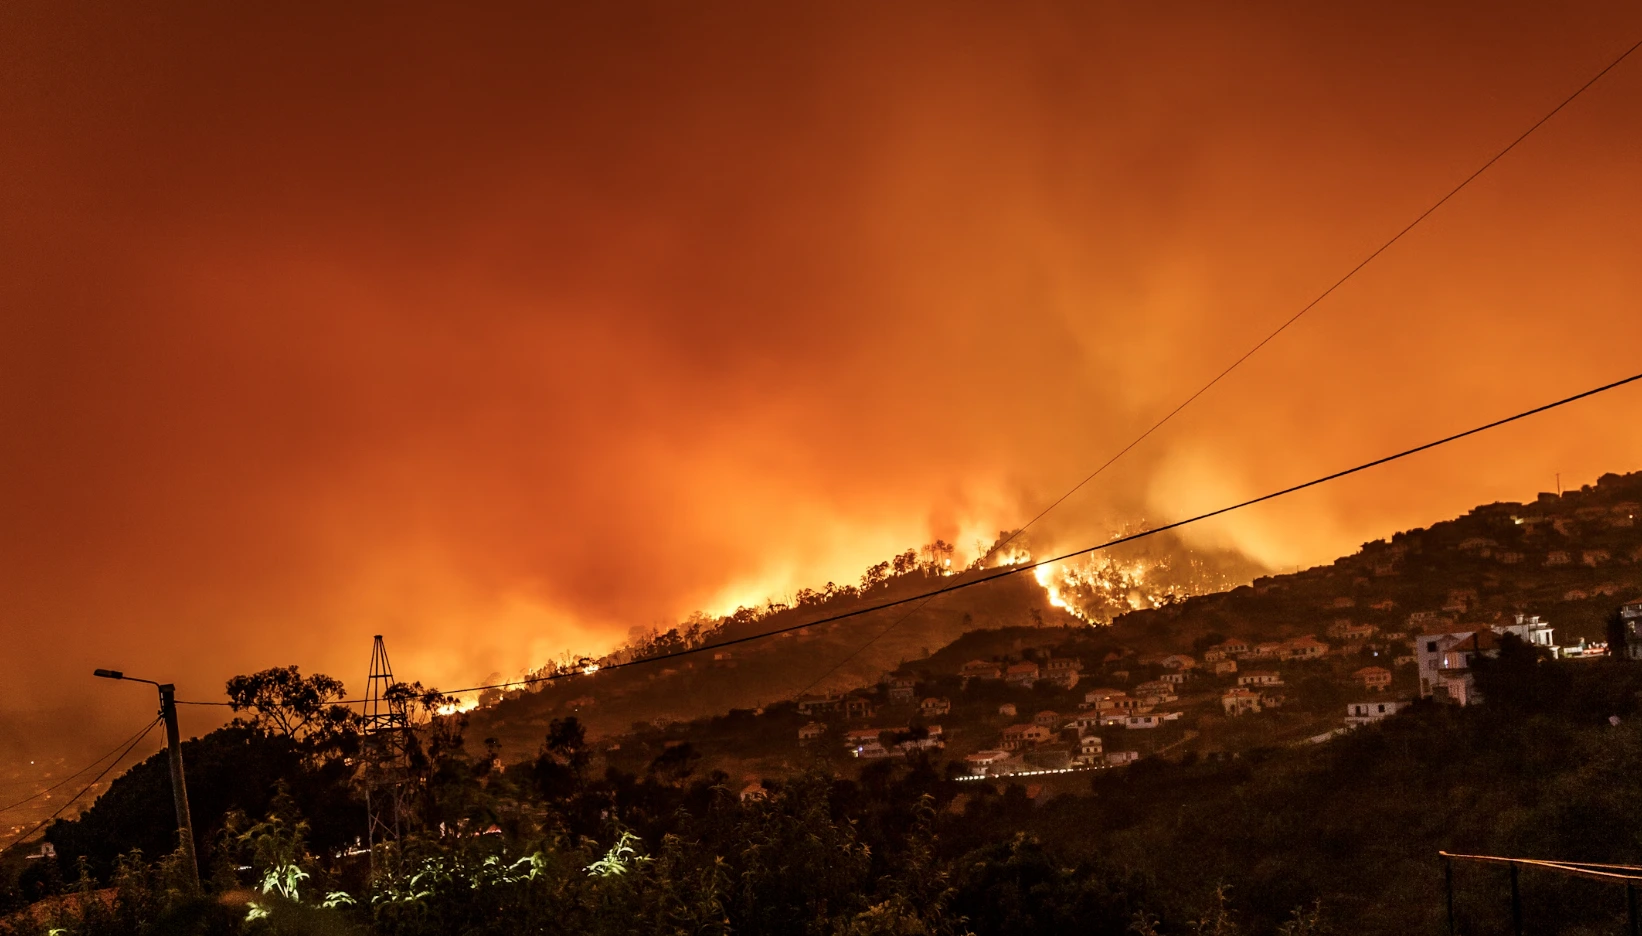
(1348, 829)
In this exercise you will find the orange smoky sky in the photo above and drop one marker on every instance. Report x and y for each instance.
(503, 331)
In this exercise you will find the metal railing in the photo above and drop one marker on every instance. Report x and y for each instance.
(1628, 875)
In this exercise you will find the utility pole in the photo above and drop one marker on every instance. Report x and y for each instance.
(179, 785)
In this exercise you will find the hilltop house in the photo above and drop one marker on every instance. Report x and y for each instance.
(1240, 701)
(819, 704)
(858, 706)
(1153, 687)
(1355, 633)
(1090, 750)
(1121, 703)
(1222, 667)
(812, 731)
(933, 707)
(901, 690)
(1023, 674)
(1119, 758)
(1373, 677)
(1444, 660)
(1233, 647)
(1363, 713)
(1303, 648)
(986, 763)
(1021, 737)
(1149, 720)
(1084, 724)
(1174, 679)
(1047, 719)
(981, 669)
(1530, 630)
(1008, 709)
(1260, 678)
(1445, 663)
(1178, 661)
(865, 743)
(1094, 696)
(1063, 671)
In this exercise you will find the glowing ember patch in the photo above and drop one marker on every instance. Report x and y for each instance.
(458, 706)
(1096, 589)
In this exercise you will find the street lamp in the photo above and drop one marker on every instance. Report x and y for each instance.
(179, 787)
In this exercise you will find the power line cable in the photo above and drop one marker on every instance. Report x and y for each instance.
(1252, 351)
(1172, 413)
(28, 799)
(1327, 292)
(1005, 572)
(94, 781)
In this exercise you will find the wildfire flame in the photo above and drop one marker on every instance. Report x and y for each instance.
(458, 706)
(1097, 589)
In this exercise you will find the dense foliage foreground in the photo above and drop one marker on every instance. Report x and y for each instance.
(1334, 837)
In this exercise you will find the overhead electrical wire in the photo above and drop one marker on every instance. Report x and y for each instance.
(1153, 428)
(1017, 569)
(128, 746)
(1260, 344)
(1330, 290)
(29, 799)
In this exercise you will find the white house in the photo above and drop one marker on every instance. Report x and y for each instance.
(1363, 713)
(1445, 663)
(1090, 750)
(986, 763)
(1150, 720)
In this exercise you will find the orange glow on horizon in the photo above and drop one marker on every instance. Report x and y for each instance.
(591, 327)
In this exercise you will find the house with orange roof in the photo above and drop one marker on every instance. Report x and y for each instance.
(1375, 678)
(1240, 701)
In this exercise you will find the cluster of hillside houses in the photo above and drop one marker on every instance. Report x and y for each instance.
(1051, 740)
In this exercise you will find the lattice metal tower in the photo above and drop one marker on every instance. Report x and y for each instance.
(386, 774)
